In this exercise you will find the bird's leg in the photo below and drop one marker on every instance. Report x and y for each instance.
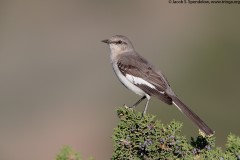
(139, 101)
(146, 106)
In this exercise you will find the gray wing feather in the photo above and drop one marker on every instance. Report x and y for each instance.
(138, 66)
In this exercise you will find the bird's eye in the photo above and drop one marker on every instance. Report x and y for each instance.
(119, 42)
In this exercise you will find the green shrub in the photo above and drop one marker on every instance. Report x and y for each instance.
(138, 137)
(145, 138)
(67, 153)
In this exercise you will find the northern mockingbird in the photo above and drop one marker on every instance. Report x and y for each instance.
(141, 77)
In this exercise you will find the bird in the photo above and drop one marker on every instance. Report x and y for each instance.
(141, 77)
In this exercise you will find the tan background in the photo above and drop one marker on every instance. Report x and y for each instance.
(57, 86)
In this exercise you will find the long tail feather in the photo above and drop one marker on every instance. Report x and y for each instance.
(191, 115)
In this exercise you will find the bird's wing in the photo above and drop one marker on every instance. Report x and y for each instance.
(142, 74)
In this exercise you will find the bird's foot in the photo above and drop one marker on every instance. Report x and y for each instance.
(133, 106)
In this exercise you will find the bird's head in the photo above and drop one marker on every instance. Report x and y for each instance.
(119, 44)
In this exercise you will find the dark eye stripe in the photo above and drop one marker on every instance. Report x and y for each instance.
(119, 42)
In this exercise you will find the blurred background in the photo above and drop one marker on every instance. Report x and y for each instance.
(57, 86)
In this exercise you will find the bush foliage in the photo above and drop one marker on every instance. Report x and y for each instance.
(143, 137)
(67, 153)
(140, 137)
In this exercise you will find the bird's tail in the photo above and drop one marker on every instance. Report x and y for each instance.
(191, 115)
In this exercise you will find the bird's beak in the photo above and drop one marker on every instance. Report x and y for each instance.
(106, 41)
